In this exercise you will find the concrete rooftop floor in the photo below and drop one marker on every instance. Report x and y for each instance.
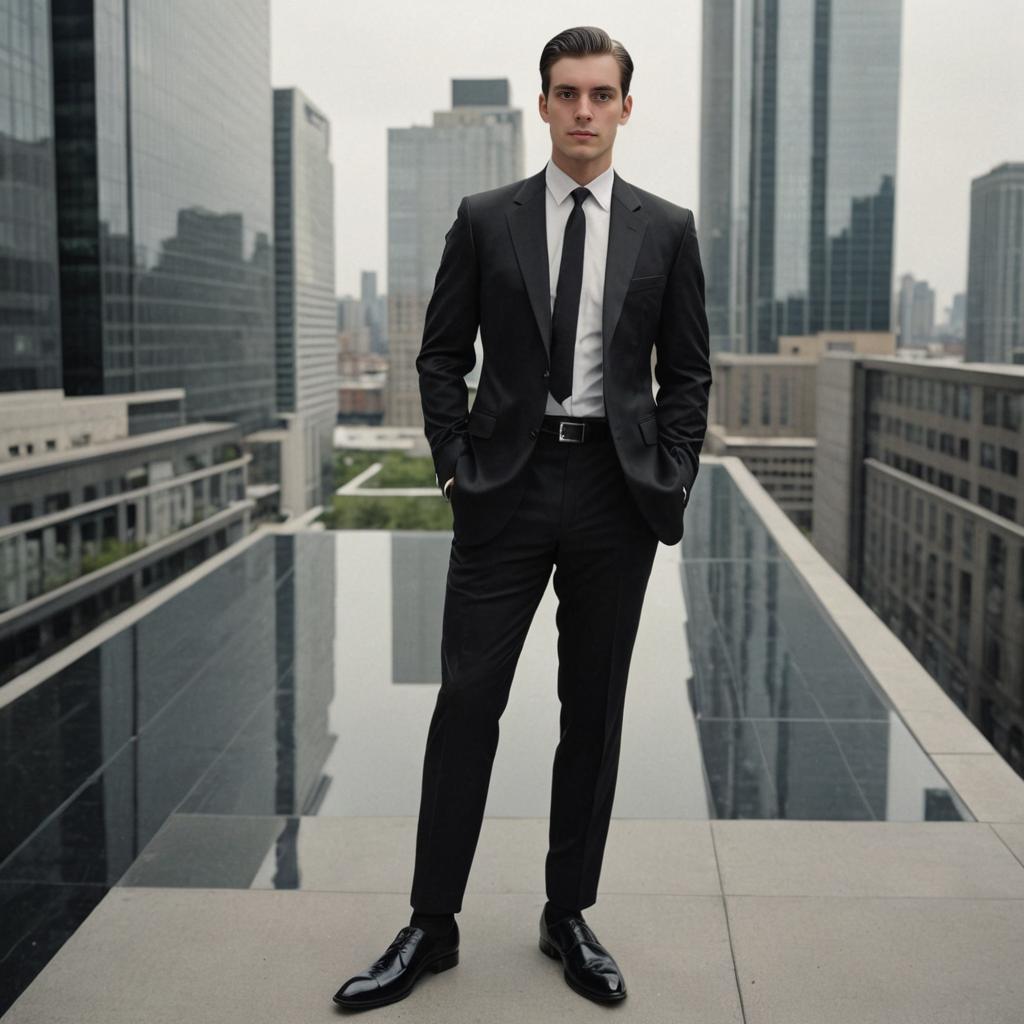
(757, 921)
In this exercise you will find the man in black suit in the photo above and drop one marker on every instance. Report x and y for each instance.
(567, 461)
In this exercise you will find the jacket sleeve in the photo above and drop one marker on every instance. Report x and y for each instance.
(683, 368)
(447, 351)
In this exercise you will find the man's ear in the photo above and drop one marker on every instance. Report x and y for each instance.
(542, 106)
(627, 109)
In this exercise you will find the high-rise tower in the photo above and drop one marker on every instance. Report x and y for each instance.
(476, 145)
(799, 106)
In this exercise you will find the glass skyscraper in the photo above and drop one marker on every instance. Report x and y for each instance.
(30, 355)
(799, 107)
(165, 201)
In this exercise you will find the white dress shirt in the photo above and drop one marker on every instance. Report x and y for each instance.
(587, 397)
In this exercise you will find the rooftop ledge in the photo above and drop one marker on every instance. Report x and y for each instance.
(216, 904)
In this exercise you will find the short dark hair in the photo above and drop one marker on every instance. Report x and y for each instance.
(584, 41)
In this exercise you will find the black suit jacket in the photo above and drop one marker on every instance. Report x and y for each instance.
(494, 274)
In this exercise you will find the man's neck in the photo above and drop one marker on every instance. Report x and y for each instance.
(583, 172)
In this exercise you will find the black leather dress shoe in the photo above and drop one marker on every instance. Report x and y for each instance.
(589, 967)
(392, 976)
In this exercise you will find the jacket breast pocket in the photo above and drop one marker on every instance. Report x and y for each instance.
(639, 284)
(649, 428)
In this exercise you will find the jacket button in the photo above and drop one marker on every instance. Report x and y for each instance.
(533, 434)
(547, 373)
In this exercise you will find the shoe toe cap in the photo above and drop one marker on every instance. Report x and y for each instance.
(362, 986)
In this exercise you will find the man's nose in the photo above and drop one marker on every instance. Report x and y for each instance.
(583, 110)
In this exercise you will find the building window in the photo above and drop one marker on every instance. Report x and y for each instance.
(965, 449)
(964, 403)
(967, 539)
(1010, 408)
(766, 400)
(989, 407)
(1008, 461)
(988, 455)
(985, 497)
(745, 398)
(1006, 507)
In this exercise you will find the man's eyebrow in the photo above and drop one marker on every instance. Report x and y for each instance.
(596, 88)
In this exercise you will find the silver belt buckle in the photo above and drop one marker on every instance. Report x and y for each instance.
(562, 436)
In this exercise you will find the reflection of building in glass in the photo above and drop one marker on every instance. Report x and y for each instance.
(209, 709)
(29, 288)
(164, 171)
(798, 162)
(995, 267)
(919, 503)
(476, 145)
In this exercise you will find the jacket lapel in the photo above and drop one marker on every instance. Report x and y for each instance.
(626, 230)
(528, 228)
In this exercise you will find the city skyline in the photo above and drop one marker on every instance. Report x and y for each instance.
(957, 114)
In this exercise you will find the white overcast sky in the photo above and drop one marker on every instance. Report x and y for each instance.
(374, 64)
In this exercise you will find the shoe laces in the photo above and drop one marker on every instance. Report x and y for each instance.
(395, 945)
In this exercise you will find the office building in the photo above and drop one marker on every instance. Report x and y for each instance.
(919, 504)
(307, 379)
(165, 202)
(915, 311)
(798, 163)
(29, 286)
(995, 268)
(477, 145)
(105, 499)
(763, 410)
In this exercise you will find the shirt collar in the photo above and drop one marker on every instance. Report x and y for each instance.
(560, 185)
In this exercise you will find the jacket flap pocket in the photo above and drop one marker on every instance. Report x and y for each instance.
(649, 429)
(481, 424)
(638, 283)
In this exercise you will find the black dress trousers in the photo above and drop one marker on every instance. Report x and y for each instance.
(578, 518)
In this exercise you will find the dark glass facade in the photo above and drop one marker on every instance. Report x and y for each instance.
(798, 123)
(30, 355)
(165, 178)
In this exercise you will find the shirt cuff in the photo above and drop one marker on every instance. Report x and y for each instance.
(448, 487)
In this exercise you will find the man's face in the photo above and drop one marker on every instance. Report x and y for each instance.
(583, 109)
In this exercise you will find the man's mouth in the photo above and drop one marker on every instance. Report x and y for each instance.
(582, 133)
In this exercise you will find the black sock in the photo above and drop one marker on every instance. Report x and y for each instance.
(435, 925)
(553, 912)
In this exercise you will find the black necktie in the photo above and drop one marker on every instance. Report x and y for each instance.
(567, 298)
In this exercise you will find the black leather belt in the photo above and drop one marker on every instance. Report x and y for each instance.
(578, 430)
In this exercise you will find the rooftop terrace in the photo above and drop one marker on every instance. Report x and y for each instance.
(211, 801)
